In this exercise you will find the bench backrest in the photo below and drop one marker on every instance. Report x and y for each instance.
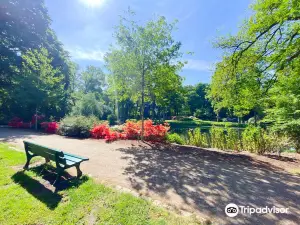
(48, 153)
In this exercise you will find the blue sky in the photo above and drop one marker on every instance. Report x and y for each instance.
(85, 27)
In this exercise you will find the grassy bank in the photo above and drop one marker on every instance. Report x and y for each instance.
(25, 199)
(176, 124)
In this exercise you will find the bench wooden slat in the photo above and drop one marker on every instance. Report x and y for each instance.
(75, 156)
(41, 151)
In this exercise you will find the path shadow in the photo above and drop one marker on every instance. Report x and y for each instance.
(281, 158)
(206, 181)
(43, 190)
(13, 134)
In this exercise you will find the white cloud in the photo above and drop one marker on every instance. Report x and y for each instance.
(86, 54)
(199, 65)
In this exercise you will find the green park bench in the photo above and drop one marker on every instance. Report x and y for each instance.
(62, 159)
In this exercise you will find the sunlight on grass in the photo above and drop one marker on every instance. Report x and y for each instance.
(25, 200)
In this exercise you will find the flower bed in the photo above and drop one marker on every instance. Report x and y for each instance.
(132, 131)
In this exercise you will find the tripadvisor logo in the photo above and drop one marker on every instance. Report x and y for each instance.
(232, 210)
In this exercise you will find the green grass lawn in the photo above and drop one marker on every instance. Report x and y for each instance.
(25, 200)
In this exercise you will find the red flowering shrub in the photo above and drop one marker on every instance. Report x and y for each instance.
(50, 127)
(100, 131)
(132, 130)
(15, 122)
(112, 136)
(151, 132)
(155, 132)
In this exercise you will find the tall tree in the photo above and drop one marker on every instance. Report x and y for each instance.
(265, 50)
(44, 88)
(141, 50)
(25, 26)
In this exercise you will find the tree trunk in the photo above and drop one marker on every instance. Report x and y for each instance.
(143, 104)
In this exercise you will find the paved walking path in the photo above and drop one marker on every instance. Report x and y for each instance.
(188, 179)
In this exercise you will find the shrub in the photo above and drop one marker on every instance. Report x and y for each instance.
(112, 119)
(100, 131)
(15, 122)
(175, 138)
(77, 126)
(132, 130)
(196, 138)
(155, 132)
(151, 132)
(292, 130)
(233, 139)
(256, 139)
(218, 137)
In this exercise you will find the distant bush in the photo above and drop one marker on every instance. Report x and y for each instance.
(112, 119)
(77, 126)
(175, 138)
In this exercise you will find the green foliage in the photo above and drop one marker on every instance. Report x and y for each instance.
(292, 130)
(218, 137)
(112, 119)
(175, 138)
(233, 139)
(144, 64)
(256, 139)
(91, 80)
(196, 138)
(87, 105)
(43, 84)
(198, 104)
(77, 126)
(252, 139)
(260, 69)
(26, 69)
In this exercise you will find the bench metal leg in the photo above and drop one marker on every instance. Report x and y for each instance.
(29, 157)
(59, 172)
(79, 172)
